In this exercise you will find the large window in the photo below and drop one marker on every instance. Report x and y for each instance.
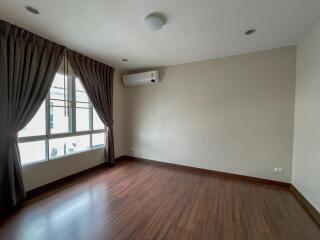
(66, 123)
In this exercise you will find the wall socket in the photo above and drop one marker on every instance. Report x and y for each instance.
(278, 170)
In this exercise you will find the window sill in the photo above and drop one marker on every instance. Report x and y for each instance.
(60, 157)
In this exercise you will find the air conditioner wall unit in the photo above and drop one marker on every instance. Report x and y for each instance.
(144, 78)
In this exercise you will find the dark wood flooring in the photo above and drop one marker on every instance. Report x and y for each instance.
(136, 200)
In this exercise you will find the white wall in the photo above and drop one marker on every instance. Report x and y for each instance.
(233, 114)
(41, 173)
(306, 157)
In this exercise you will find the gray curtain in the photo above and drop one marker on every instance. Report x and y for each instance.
(28, 64)
(97, 79)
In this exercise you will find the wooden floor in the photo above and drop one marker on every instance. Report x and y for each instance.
(136, 200)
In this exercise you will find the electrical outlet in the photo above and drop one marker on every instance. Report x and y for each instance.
(278, 170)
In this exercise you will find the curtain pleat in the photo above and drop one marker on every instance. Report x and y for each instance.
(97, 79)
(28, 64)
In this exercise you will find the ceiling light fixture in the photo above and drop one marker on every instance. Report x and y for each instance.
(32, 10)
(153, 22)
(250, 31)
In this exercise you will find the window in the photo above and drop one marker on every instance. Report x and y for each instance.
(83, 108)
(37, 126)
(68, 145)
(66, 123)
(98, 140)
(60, 105)
(32, 151)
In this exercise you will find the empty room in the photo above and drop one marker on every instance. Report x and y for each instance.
(172, 119)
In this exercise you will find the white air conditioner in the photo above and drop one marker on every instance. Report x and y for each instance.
(144, 78)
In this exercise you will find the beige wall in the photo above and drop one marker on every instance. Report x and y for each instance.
(38, 174)
(41, 173)
(306, 157)
(233, 114)
(118, 116)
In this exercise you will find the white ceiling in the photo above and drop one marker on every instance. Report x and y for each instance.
(109, 30)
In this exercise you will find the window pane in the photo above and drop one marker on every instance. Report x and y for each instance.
(82, 120)
(32, 151)
(59, 88)
(60, 107)
(98, 140)
(83, 108)
(97, 123)
(59, 103)
(37, 125)
(63, 146)
(83, 105)
(59, 120)
(81, 95)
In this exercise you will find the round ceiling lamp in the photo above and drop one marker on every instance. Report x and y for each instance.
(153, 22)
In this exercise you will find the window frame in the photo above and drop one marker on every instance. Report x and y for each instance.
(71, 81)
